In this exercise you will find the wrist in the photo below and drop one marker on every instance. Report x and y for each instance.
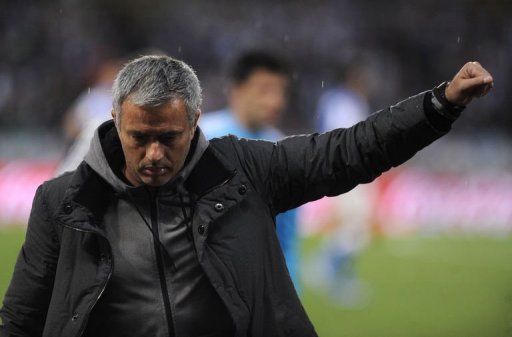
(442, 105)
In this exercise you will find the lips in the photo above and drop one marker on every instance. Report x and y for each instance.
(155, 171)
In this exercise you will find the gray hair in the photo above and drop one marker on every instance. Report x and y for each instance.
(151, 81)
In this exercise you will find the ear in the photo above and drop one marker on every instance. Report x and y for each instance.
(233, 91)
(114, 116)
(196, 119)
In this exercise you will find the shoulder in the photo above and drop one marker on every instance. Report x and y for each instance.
(47, 198)
(242, 150)
(53, 191)
(233, 141)
(61, 182)
(224, 143)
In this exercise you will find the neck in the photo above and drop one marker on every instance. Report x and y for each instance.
(242, 116)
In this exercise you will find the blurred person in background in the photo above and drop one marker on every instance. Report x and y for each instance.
(160, 232)
(257, 97)
(347, 102)
(90, 109)
(349, 215)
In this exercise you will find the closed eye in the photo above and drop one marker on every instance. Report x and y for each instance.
(140, 138)
(166, 139)
(169, 137)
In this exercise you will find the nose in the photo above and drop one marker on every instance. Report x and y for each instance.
(155, 151)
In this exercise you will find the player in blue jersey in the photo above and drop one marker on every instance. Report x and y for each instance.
(257, 97)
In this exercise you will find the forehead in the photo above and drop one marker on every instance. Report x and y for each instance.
(171, 116)
(263, 76)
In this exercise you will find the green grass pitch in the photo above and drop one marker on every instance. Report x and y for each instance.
(422, 286)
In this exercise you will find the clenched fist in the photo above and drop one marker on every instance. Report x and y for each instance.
(471, 81)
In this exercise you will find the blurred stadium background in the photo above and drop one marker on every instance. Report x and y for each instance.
(435, 255)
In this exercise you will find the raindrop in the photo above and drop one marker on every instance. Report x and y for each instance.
(322, 84)
(458, 39)
(179, 49)
(88, 90)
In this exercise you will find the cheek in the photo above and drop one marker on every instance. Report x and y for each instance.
(133, 155)
(178, 153)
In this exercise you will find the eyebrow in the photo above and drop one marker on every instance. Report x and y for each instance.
(149, 134)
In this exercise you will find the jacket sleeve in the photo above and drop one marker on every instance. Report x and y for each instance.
(26, 302)
(303, 168)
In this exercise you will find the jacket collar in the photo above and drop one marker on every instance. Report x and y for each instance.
(88, 195)
(209, 172)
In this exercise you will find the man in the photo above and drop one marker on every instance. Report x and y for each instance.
(162, 233)
(348, 215)
(256, 99)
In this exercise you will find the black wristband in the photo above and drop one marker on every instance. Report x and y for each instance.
(438, 121)
(442, 105)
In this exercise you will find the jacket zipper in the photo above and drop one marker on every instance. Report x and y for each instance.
(161, 271)
(104, 286)
(160, 265)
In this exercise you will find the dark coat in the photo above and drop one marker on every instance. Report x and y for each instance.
(65, 262)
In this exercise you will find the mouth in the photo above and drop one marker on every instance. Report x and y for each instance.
(153, 171)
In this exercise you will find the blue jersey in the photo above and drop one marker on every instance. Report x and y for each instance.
(220, 123)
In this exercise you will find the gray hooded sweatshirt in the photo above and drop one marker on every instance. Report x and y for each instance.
(157, 287)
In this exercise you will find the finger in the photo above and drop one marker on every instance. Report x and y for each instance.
(472, 83)
(480, 91)
(487, 88)
(474, 69)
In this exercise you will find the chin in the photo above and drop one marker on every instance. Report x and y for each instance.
(156, 182)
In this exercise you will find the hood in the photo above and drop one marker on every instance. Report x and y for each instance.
(106, 158)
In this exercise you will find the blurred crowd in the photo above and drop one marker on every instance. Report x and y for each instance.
(341, 60)
(53, 51)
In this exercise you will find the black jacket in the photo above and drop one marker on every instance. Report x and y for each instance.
(65, 262)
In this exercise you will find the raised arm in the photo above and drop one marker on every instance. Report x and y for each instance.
(303, 168)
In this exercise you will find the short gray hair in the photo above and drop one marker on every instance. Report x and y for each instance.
(151, 81)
